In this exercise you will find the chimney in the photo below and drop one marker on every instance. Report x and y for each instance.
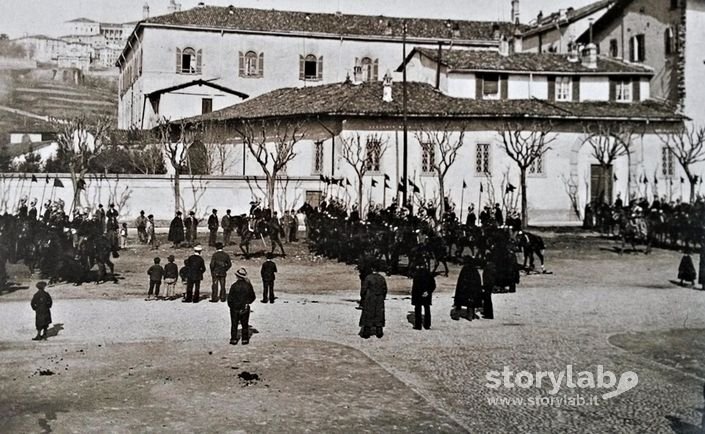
(589, 57)
(145, 11)
(515, 11)
(357, 74)
(387, 87)
(503, 46)
(573, 52)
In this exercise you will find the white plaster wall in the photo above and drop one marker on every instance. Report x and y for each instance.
(695, 61)
(462, 85)
(594, 89)
(539, 86)
(518, 87)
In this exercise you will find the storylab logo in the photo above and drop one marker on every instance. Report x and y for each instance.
(606, 383)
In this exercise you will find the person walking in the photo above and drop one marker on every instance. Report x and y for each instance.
(373, 293)
(191, 227)
(195, 267)
(213, 224)
(468, 290)
(171, 275)
(275, 231)
(41, 305)
(422, 289)
(268, 271)
(294, 227)
(220, 264)
(156, 274)
(240, 297)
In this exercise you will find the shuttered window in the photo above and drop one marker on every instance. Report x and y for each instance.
(251, 64)
(637, 48)
(310, 67)
(369, 69)
(188, 61)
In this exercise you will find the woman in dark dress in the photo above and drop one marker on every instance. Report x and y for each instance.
(41, 305)
(176, 230)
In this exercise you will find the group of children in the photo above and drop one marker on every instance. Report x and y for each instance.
(170, 274)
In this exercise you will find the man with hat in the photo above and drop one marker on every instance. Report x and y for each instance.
(195, 267)
(41, 305)
(176, 230)
(112, 226)
(191, 225)
(220, 264)
(141, 224)
(213, 224)
(227, 224)
(240, 297)
(32, 214)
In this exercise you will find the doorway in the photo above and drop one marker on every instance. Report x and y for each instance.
(601, 183)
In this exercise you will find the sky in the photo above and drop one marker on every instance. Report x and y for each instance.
(20, 17)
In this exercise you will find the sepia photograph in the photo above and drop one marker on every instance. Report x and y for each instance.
(457, 216)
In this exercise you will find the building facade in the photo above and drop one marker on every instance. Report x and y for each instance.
(256, 51)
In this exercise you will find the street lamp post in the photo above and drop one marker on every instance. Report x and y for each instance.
(404, 121)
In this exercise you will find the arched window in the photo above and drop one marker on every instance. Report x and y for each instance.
(310, 67)
(366, 64)
(669, 41)
(188, 61)
(250, 63)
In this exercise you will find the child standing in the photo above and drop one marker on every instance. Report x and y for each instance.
(123, 235)
(156, 272)
(269, 268)
(171, 275)
(41, 304)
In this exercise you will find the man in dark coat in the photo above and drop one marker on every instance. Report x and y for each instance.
(191, 227)
(374, 291)
(275, 232)
(220, 264)
(213, 224)
(268, 273)
(489, 277)
(195, 267)
(531, 245)
(141, 224)
(41, 304)
(227, 224)
(422, 289)
(241, 295)
(468, 290)
(176, 230)
(498, 216)
(112, 226)
(471, 220)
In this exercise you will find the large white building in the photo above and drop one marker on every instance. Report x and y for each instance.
(254, 51)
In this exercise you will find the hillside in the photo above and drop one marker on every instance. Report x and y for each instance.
(55, 93)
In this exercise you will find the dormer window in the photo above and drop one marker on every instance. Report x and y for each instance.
(564, 88)
(623, 91)
(490, 86)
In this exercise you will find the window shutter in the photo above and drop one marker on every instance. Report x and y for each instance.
(631, 49)
(178, 60)
(642, 48)
(576, 89)
(551, 88)
(199, 58)
(478, 86)
(241, 64)
(636, 89)
(302, 63)
(260, 65)
(504, 87)
(613, 90)
(375, 70)
(320, 68)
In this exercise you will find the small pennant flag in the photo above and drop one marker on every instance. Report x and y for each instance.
(670, 181)
(347, 182)
(326, 180)
(47, 179)
(646, 180)
(81, 184)
(417, 189)
(374, 183)
(464, 185)
(58, 183)
(615, 177)
(510, 188)
(401, 187)
(695, 179)
(321, 178)
(682, 180)
(655, 181)
(386, 177)
(34, 178)
(386, 186)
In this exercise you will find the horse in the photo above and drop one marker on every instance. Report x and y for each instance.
(249, 228)
(633, 228)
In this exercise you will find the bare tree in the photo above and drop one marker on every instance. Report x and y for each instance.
(80, 141)
(175, 141)
(607, 143)
(526, 145)
(363, 157)
(441, 145)
(272, 144)
(570, 184)
(688, 146)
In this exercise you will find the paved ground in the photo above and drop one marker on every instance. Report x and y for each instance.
(122, 364)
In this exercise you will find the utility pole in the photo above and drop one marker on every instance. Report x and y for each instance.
(404, 121)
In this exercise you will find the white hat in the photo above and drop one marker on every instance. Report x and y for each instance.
(198, 248)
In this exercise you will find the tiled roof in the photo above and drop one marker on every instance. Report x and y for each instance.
(248, 19)
(81, 20)
(346, 99)
(484, 60)
(571, 16)
(614, 13)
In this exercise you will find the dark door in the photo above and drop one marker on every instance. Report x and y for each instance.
(206, 105)
(600, 184)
